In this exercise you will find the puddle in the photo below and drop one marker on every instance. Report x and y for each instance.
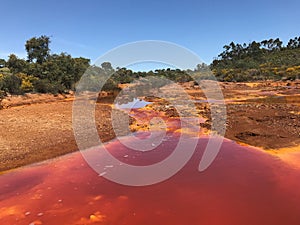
(133, 104)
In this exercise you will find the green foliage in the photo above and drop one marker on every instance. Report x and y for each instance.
(15, 64)
(56, 73)
(38, 49)
(202, 72)
(1, 81)
(294, 43)
(108, 79)
(10, 83)
(45, 86)
(2, 63)
(123, 75)
(5, 71)
(42, 72)
(27, 82)
(107, 68)
(2, 95)
(257, 61)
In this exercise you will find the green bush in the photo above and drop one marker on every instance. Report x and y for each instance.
(45, 86)
(11, 84)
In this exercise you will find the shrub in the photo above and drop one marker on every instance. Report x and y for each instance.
(27, 82)
(42, 86)
(2, 95)
(11, 84)
(45, 86)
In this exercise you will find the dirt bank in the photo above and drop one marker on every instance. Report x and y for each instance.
(261, 114)
(38, 127)
(37, 131)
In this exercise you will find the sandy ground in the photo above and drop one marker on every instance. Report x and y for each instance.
(38, 127)
(37, 131)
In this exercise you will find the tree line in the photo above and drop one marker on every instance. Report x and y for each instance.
(43, 72)
(268, 59)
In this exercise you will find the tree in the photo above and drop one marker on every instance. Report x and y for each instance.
(38, 49)
(2, 63)
(294, 43)
(106, 66)
(277, 44)
(15, 64)
(272, 44)
(81, 64)
(267, 59)
(254, 50)
(63, 70)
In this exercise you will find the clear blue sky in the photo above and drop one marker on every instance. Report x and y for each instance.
(89, 28)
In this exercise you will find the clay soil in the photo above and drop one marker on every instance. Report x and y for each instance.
(41, 128)
(38, 127)
(264, 114)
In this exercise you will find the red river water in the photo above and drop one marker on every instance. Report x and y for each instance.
(243, 186)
